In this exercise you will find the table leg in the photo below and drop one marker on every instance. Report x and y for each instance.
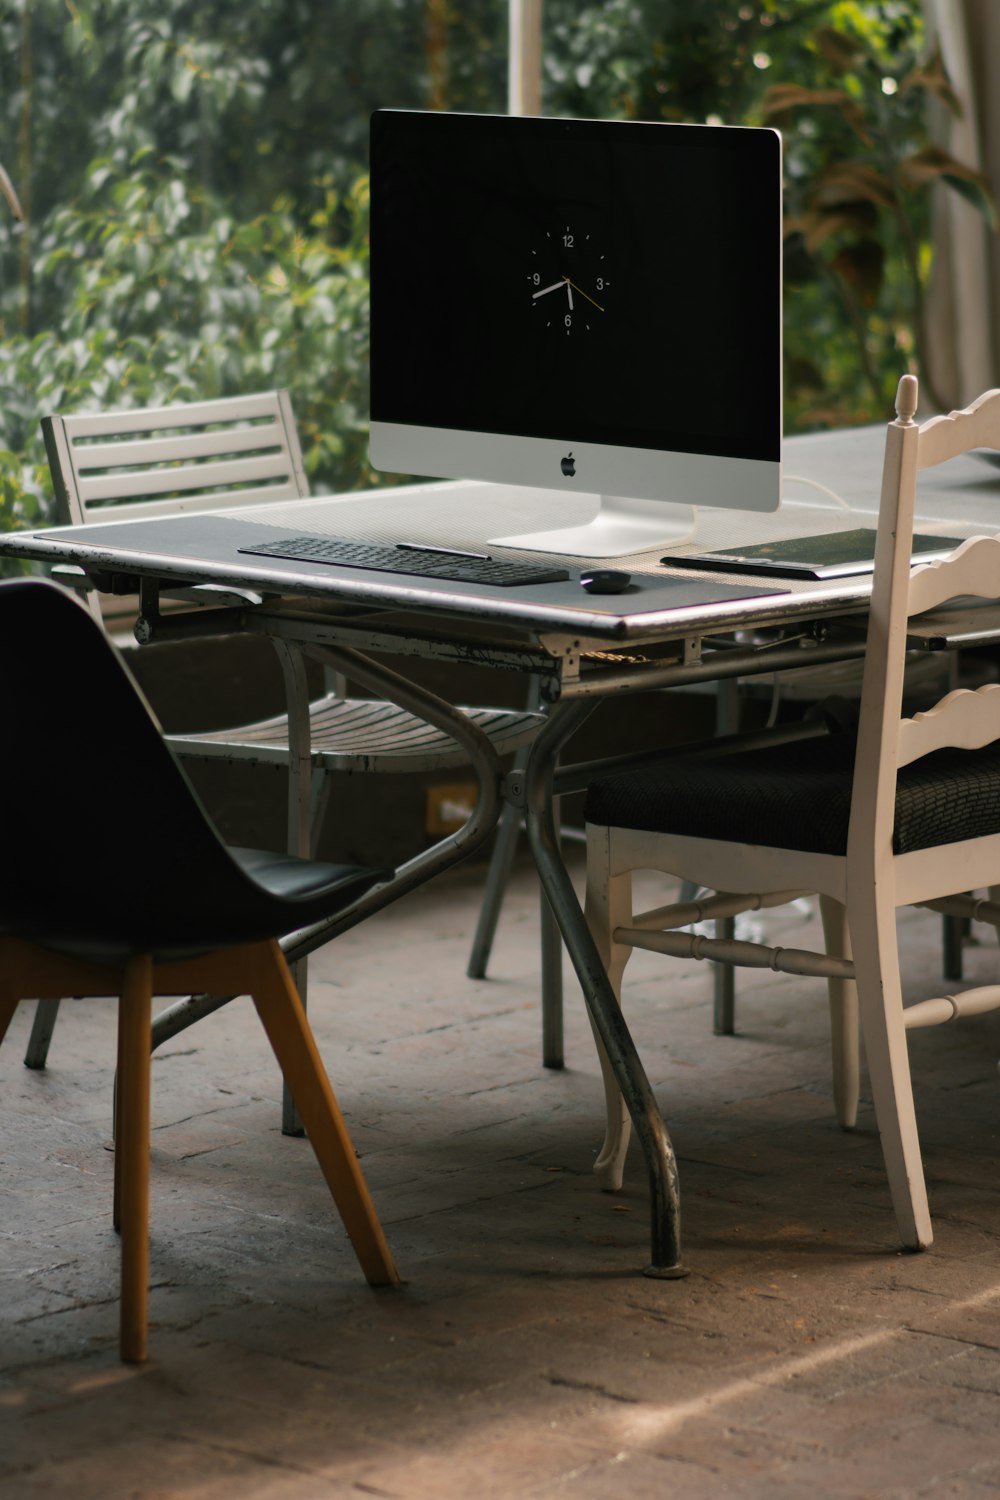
(651, 1132)
(553, 1055)
(497, 875)
(443, 855)
(489, 912)
(300, 788)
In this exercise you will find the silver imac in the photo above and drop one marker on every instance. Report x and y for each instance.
(580, 305)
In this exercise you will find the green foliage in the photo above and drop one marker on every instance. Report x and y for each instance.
(859, 168)
(158, 308)
(675, 60)
(197, 205)
(193, 185)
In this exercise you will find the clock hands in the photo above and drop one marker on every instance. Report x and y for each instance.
(573, 246)
(570, 286)
(579, 289)
(546, 289)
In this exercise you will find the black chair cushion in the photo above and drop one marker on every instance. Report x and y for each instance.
(291, 879)
(798, 796)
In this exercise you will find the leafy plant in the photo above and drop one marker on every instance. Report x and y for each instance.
(196, 205)
(159, 308)
(859, 170)
(673, 60)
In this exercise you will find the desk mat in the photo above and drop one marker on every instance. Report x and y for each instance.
(216, 538)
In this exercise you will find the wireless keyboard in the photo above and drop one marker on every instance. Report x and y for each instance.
(410, 558)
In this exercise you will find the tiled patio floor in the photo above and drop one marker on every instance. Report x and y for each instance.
(525, 1355)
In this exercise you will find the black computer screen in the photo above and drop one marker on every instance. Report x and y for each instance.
(616, 281)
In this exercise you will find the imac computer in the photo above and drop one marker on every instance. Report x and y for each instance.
(579, 305)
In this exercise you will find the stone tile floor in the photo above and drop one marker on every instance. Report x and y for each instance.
(805, 1355)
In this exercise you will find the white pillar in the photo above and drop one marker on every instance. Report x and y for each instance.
(524, 58)
(959, 319)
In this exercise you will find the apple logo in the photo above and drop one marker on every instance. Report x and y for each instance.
(568, 465)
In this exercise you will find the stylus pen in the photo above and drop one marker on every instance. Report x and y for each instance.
(443, 551)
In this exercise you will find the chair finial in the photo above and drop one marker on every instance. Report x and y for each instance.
(906, 398)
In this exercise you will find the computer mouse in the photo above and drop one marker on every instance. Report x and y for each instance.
(604, 581)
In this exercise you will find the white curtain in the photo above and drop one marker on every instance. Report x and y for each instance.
(964, 297)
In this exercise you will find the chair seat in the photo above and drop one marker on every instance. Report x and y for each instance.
(798, 796)
(287, 878)
(283, 894)
(360, 734)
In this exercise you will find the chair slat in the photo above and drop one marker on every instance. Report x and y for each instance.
(153, 418)
(193, 477)
(90, 458)
(973, 568)
(349, 734)
(147, 510)
(975, 427)
(963, 719)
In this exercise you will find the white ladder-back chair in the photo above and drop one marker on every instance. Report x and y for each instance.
(210, 456)
(906, 814)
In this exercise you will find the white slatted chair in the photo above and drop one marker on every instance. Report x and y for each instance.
(906, 816)
(215, 455)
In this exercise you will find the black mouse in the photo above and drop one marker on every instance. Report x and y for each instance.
(604, 581)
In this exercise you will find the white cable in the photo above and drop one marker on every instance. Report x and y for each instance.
(825, 489)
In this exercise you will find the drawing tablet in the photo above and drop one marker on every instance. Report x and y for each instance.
(838, 554)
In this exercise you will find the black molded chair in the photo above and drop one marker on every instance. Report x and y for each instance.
(196, 916)
(144, 463)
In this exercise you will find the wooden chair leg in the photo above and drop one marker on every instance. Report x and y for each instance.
(609, 1164)
(132, 1152)
(844, 1027)
(872, 919)
(116, 1202)
(288, 1031)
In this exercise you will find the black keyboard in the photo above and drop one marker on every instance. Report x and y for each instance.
(410, 558)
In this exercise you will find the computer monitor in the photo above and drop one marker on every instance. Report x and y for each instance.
(579, 305)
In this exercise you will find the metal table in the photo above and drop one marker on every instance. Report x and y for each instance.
(671, 628)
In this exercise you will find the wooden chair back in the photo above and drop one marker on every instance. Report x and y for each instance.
(964, 719)
(158, 461)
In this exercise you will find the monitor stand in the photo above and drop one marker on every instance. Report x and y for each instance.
(621, 526)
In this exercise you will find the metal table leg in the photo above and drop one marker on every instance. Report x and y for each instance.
(553, 1054)
(300, 788)
(414, 872)
(497, 875)
(727, 721)
(41, 1032)
(551, 943)
(651, 1132)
